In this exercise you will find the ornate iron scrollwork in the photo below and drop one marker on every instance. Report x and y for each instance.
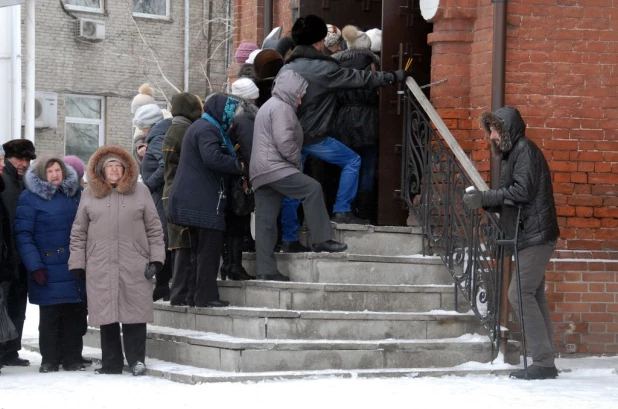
(433, 184)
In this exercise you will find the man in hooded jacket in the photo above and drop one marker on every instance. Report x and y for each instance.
(526, 180)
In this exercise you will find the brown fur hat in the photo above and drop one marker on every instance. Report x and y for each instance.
(96, 180)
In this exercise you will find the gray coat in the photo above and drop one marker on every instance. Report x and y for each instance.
(278, 135)
(116, 233)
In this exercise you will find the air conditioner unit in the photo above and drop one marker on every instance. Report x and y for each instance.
(90, 30)
(45, 109)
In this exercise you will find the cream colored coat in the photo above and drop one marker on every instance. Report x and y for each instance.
(116, 233)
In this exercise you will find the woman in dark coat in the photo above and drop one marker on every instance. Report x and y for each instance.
(45, 214)
(198, 199)
(186, 109)
(357, 125)
(152, 176)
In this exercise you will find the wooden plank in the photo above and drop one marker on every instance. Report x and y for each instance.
(450, 140)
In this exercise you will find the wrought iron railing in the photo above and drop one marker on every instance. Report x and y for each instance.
(433, 184)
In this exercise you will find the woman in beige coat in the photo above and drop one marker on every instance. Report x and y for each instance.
(117, 247)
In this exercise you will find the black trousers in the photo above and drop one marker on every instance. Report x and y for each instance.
(60, 333)
(206, 245)
(165, 275)
(183, 266)
(134, 340)
(17, 300)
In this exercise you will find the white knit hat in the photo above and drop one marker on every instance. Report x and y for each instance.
(333, 35)
(147, 115)
(145, 96)
(252, 56)
(245, 88)
(356, 38)
(375, 35)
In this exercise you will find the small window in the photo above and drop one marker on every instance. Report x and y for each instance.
(84, 125)
(95, 6)
(151, 8)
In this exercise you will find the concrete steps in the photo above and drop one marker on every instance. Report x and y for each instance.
(273, 324)
(338, 297)
(352, 268)
(231, 354)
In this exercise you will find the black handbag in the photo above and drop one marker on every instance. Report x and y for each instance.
(242, 199)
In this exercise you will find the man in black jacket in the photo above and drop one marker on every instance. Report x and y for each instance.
(526, 180)
(325, 76)
(19, 153)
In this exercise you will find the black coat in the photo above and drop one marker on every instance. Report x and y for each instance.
(7, 245)
(204, 167)
(358, 119)
(326, 76)
(153, 168)
(13, 186)
(525, 179)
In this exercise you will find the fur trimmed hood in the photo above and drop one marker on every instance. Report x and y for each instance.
(509, 124)
(96, 180)
(43, 188)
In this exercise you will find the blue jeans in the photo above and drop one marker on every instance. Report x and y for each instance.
(331, 151)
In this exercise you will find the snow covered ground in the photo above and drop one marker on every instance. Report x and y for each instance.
(589, 383)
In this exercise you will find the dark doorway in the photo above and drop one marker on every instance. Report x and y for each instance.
(404, 34)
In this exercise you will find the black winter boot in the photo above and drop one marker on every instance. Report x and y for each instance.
(236, 271)
(225, 255)
(535, 372)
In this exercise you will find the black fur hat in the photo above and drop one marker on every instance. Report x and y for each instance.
(19, 148)
(309, 30)
(187, 105)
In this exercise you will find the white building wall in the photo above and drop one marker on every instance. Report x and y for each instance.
(115, 67)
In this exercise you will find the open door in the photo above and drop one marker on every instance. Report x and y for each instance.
(404, 35)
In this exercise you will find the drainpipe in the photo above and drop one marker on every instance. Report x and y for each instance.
(30, 69)
(16, 56)
(498, 58)
(187, 45)
(268, 16)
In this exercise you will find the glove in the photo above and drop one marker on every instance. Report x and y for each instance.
(473, 199)
(79, 273)
(40, 276)
(401, 75)
(152, 269)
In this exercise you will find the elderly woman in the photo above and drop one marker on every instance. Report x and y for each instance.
(45, 214)
(117, 246)
(198, 195)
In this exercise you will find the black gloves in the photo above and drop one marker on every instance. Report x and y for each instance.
(473, 199)
(79, 273)
(152, 269)
(401, 75)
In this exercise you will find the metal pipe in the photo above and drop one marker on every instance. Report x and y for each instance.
(30, 69)
(187, 45)
(498, 58)
(16, 73)
(268, 17)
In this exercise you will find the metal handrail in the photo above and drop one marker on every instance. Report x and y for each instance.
(435, 173)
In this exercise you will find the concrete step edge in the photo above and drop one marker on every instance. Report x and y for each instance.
(340, 287)
(437, 315)
(193, 375)
(345, 256)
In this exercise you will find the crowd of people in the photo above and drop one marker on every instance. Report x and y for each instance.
(181, 201)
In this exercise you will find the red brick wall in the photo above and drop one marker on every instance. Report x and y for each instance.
(560, 73)
(582, 291)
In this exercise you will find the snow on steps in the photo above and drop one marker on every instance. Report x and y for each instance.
(193, 375)
(232, 354)
(273, 324)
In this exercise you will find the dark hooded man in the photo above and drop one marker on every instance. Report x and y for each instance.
(526, 180)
